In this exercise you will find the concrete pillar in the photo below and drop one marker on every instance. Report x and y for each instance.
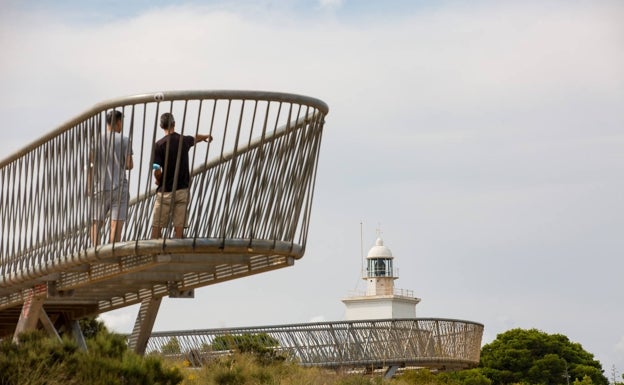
(31, 310)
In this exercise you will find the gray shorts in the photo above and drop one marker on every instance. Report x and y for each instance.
(115, 201)
(163, 208)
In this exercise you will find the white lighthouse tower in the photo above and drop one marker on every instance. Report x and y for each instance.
(381, 300)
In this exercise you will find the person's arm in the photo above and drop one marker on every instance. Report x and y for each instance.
(90, 174)
(158, 174)
(158, 159)
(201, 138)
(129, 162)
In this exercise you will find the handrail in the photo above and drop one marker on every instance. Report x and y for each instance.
(406, 293)
(168, 96)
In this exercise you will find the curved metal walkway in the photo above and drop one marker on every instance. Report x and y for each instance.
(439, 344)
(251, 197)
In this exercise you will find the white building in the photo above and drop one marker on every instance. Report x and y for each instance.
(381, 300)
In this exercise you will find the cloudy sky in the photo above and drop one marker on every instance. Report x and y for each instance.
(483, 138)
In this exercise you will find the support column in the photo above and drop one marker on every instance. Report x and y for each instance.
(391, 372)
(144, 324)
(76, 332)
(31, 310)
(48, 325)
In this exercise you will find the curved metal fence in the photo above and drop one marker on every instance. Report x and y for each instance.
(420, 342)
(251, 196)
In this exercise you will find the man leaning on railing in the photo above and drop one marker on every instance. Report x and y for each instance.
(173, 193)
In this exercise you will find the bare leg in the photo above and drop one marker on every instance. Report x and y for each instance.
(156, 233)
(115, 234)
(95, 233)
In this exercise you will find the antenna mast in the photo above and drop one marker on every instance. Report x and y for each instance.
(361, 251)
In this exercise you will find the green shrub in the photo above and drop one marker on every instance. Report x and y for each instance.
(38, 359)
(260, 345)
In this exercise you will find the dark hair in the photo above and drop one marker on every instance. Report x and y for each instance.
(167, 121)
(113, 116)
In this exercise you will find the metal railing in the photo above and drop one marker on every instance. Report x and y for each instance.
(407, 293)
(251, 196)
(419, 342)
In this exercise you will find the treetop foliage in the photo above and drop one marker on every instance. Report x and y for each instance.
(534, 357)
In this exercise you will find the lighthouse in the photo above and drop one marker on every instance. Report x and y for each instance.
(381, 300)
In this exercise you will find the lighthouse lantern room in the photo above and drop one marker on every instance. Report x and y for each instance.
(381, 300)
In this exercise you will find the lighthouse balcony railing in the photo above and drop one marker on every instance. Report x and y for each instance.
(396, 292)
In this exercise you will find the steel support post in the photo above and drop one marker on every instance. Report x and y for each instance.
(48, 325)
(144, 324)
(76, 332)
(391, 372)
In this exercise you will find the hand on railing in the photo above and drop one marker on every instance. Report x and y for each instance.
(157, 173)
(203, 138)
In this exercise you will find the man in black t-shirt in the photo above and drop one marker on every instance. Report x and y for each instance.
(173, 178)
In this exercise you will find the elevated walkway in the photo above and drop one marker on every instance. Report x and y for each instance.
(249, 213)
(368, 345)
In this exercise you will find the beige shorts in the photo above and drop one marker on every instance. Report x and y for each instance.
(163, 208)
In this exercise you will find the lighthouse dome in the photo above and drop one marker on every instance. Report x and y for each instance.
(379, 250)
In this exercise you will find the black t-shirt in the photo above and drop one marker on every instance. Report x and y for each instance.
(166, 155)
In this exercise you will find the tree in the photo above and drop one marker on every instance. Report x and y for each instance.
(171, 347)
(261, 345)
(585, 381)
(534, 357)
(91, 326)
(245, 343)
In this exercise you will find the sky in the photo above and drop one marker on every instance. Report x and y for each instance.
(483, 140)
